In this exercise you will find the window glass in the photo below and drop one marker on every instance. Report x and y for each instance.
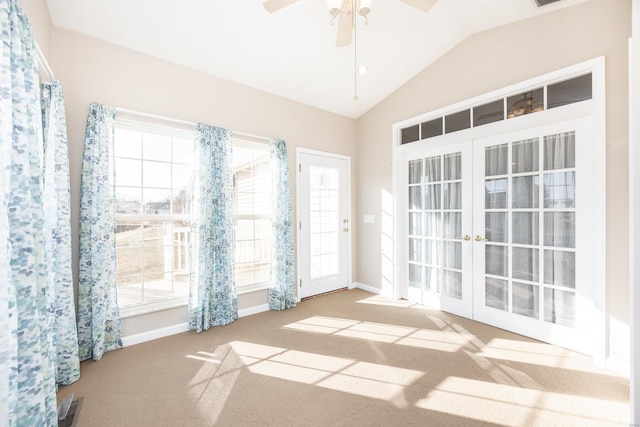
(457, 121)
(488, 113)
(410, 134)
(569, 91)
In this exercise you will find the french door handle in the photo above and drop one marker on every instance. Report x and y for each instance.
(481, 239)
(466, 237)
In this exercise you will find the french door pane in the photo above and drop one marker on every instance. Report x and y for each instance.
(530, 227)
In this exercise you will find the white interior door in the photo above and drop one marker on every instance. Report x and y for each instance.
(440, 227)
(324, 223)
(533, 216)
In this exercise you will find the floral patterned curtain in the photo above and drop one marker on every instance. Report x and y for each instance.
(27, 371)
(282, 290)
(57, 226)
(98, 315)
(212, 297)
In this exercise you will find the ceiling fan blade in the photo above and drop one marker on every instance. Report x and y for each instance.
(423, 5)
(276, 5)
(345, 25)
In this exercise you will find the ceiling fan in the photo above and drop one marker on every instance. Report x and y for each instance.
(345, 11)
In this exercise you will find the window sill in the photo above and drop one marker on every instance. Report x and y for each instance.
(141, 309)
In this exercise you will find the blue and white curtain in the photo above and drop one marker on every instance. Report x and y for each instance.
(212, 297)
(57, 226)
(27, 358)
(282, 289)
(99, 327)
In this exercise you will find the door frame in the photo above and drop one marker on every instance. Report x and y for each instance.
(594, 108)
(329, 155)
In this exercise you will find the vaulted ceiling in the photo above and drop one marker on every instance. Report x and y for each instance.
(292, 52)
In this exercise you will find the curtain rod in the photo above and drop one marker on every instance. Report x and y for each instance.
(42, 61)
(184, 122)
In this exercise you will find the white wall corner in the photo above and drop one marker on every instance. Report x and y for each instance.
(367, 288)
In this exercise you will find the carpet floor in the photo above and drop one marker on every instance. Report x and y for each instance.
(349, 358)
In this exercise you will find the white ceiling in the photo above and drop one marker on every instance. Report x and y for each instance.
(292, 52)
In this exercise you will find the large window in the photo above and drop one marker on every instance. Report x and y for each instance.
(253, 214)
(153, 186)
(153, 198)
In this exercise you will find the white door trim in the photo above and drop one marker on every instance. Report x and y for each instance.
(299, 151)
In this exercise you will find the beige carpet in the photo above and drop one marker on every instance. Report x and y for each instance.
(348, 359)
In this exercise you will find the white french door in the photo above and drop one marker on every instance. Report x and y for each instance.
(439, 228)
(498, 230)
(324, 223)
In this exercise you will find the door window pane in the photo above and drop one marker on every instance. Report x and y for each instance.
(415, 224)
(496, 260)
(559, 190)
(452, 195)
(560, 268)
(496, 160)
(452, 225)
(415, 276)
(526, 190)
(525, 228)
(415, 250)
(560, 151)
(496, 193)
(432, 251)
(432, 196)
(559, 307)
(415, 171)
(526, 299)
(452, 166)
(526, 264)
(496, 226)
(525, 156)
(433, 227)
(431, 169)
(452, 255)
(496, 293)
(415, 197)
(452, 284)
(559, 229)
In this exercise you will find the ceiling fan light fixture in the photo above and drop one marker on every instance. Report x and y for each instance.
(335, 7)
(364, 7)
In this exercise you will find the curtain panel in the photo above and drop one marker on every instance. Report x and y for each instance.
(212, 297)
(57, 225)
(282, 289)
(99, 327)
(27, 371)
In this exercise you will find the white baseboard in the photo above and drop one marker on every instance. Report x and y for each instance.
(364, 287)
(181, 327)
(154, 334)
(253, 310)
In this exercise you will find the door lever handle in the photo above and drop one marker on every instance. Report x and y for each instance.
(466, 237)
(481, 239)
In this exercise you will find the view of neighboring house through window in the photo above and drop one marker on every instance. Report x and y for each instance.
(153, 186)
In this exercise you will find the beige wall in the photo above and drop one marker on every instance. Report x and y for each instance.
(495, 59)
